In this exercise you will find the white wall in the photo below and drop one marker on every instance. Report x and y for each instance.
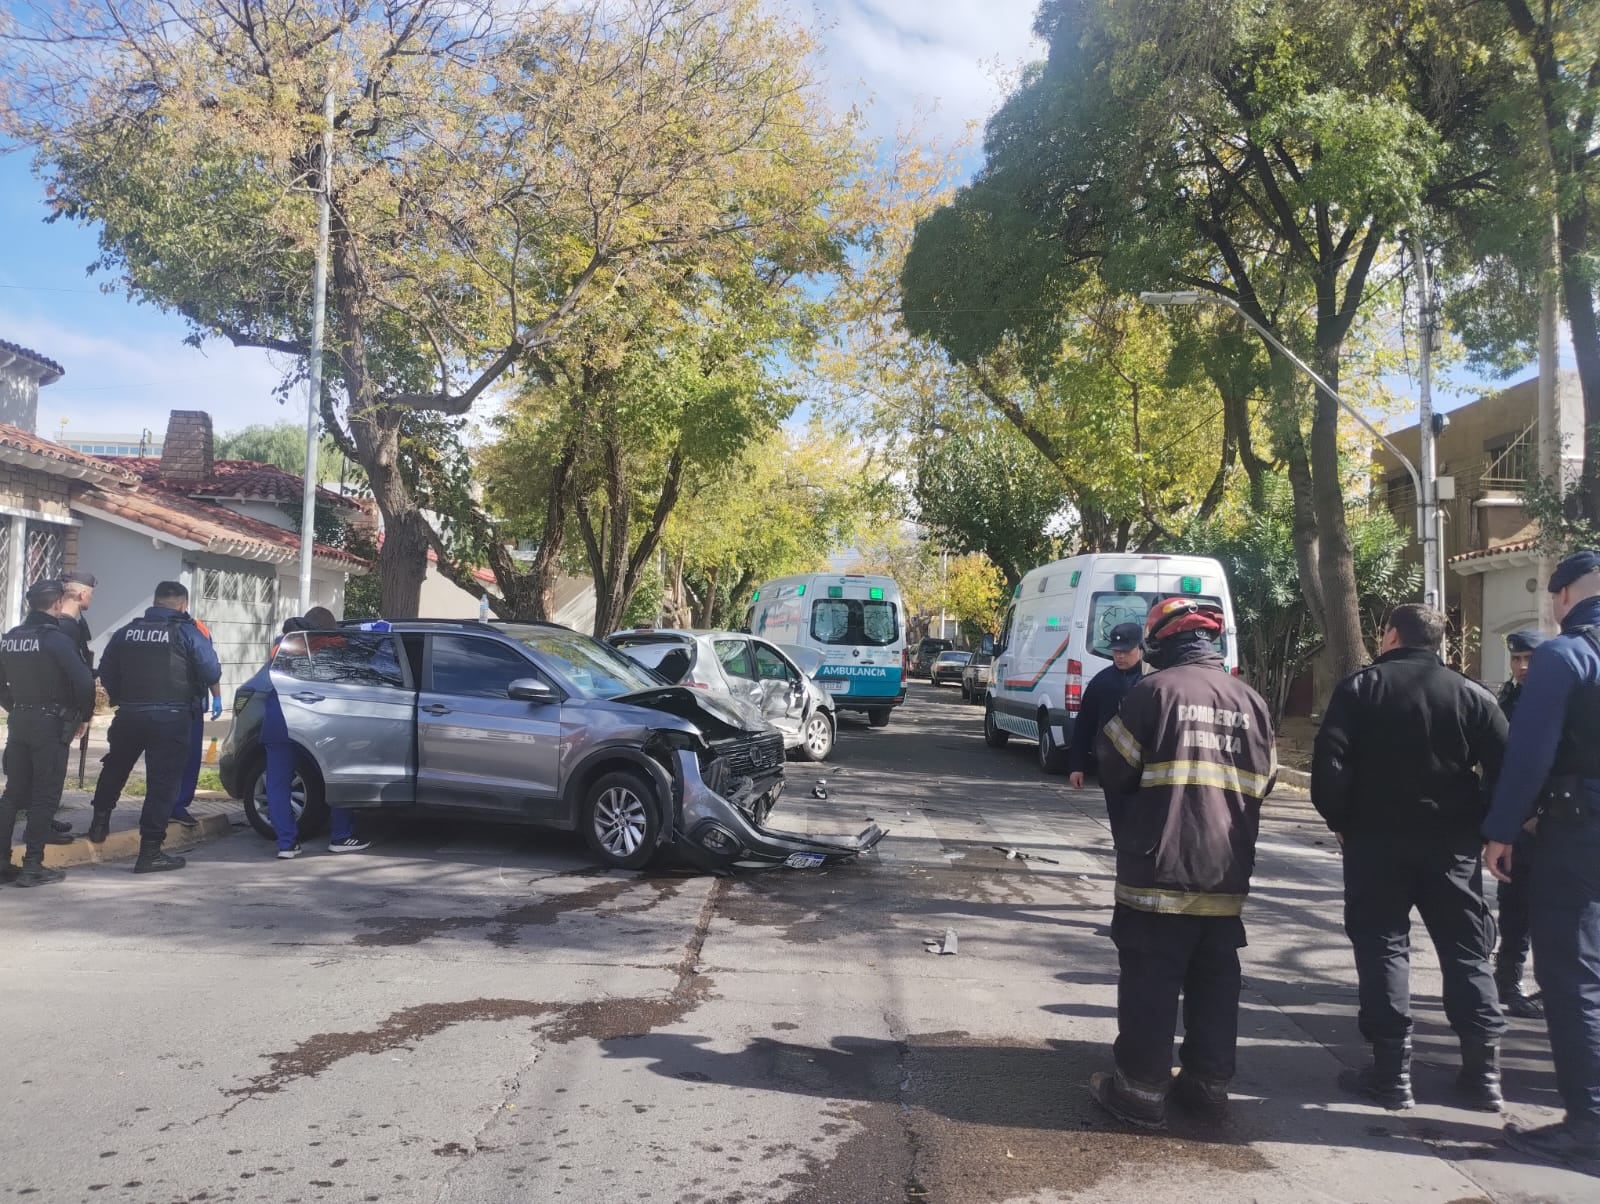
(1508, 605)
(127, 566)
(443, 599)
(270, 513)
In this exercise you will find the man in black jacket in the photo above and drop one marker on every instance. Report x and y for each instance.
(1395, 775)
(1103, 696)
(1515, 929)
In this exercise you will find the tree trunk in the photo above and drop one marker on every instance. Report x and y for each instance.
(1577, 292)
(1341, 626)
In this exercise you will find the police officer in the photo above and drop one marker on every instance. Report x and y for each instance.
(1515, 939)
(1553, 764)
(1103, 695)
(49, 693)
(1184, 765)
(153, 669)
(1394, 774)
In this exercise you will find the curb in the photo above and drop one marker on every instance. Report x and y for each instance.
(1297, 778)
(119, 846)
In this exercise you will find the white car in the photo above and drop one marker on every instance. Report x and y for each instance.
(751, 670)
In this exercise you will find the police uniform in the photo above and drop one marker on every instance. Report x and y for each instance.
(1185, 765)
(1552, 769)
(48, 691)
(1516, 939)
(152, 670)
(1394, 773)
(1102, 697)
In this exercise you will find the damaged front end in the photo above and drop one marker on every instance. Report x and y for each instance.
(724, 789)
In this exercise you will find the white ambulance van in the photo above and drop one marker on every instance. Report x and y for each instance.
(855, 622)
(1056, 635)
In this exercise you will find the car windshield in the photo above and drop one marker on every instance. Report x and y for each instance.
(854, 621)
(594, 670)
(1110, 610)
(954, 658)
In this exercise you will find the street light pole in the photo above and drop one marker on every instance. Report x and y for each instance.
(319, 305)
(1433, 582)
(1195, 297)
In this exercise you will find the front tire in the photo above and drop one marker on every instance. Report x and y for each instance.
(816, 740)
(305, 800)
(878, 717)
(620, 820)
(993, 736)
(1052, 758)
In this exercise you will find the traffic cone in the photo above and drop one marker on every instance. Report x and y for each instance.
(211, 752)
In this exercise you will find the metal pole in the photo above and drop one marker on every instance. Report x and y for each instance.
(1432, 548)
(1551, 468)
(319, 304)
(944, 586)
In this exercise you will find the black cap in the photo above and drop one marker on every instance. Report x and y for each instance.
(1525, 640)
(1579, 564)
(44, 594)
(1125, 637)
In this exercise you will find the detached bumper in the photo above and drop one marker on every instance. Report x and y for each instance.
(716, 835)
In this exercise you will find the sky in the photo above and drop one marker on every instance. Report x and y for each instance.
(936, 66)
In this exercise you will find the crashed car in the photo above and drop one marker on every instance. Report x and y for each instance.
(520, 722)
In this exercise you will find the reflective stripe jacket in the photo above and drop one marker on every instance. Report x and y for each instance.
(1185, 765)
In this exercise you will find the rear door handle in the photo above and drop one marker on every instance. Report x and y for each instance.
(307, 696)
(437, 709)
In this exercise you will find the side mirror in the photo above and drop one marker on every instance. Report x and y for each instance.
(986, 646)
(530, 689)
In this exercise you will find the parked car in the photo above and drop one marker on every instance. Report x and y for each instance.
(949, 668)
(745, 668)
(522, 722)
(928, 651)
(975, 678)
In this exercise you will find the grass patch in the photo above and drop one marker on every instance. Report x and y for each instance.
(135, 787)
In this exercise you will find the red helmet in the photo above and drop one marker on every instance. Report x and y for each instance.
(1173, 616)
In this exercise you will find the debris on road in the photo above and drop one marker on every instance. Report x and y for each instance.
(820, 790)
(945, 947)
(1019, 855)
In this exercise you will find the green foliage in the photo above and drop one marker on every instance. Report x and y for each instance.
(283, 444)
(1256, 546)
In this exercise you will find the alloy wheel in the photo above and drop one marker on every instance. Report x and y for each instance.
(297, 796)
(620, 821)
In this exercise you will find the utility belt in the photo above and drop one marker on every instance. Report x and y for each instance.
(1566, 799)
(65, 715)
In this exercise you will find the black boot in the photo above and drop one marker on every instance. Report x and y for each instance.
(1136, 1103)
(1203, 1097)
(36, 873)
(1516, 1001)
(1387, 1082)
(10, 870)
(1478, 1084)
(100, 826)
(153, 861)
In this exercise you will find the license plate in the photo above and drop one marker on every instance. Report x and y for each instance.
(834, 686)
(804, 861)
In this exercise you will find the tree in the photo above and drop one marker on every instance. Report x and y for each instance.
(499, 172)
(283, 444)
(1267, 153)
(1277, 636)
(974, 594)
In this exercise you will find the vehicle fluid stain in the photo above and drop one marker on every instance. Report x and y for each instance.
(602, 1019)
(504, 927)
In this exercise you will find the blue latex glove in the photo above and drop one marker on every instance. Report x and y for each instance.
(216, 706)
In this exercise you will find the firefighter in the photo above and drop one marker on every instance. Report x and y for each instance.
(1515, 937)
(153, 670)
(1395, 774)
(48, 693)
(1552, 763)
(1185, 766)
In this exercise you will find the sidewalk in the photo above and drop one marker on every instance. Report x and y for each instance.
(218, 815)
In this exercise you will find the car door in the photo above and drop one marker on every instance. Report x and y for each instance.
(477, 748)
(783, 693)
(350, 702)
(739, 667)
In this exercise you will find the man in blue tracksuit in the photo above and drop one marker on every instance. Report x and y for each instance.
(1103, 695)
(1552, 769)
(152, 670)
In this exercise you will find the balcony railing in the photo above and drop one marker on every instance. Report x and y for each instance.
(1515, 464)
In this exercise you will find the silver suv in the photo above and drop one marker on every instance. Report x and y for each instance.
(746, 668)
(521, 722)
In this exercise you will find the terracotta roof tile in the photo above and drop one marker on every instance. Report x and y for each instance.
(215, 528)
(1521, 545)
(237, 478)
(54, 370)
(74, 462)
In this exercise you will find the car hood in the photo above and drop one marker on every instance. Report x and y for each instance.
(717, 718)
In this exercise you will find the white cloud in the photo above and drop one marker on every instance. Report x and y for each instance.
(120, 382)
(951, 61)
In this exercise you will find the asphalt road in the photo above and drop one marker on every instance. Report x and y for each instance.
(475, 1014)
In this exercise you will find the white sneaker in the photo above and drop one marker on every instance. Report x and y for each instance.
(350, 844)
(288, 854)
